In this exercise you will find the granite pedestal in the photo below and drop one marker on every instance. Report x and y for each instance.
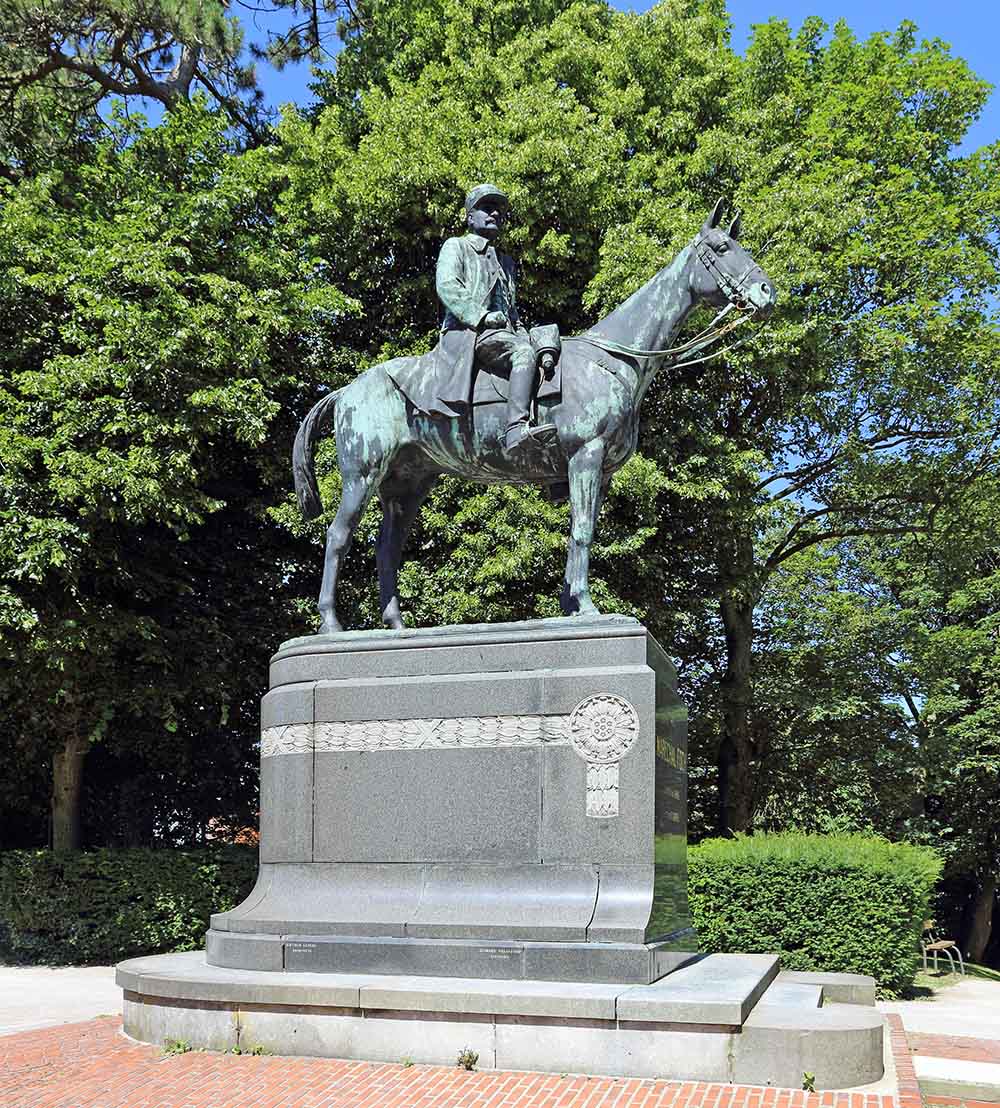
(505, 801)
(475, 837)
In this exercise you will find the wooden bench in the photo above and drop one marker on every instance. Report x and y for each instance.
(933, 943)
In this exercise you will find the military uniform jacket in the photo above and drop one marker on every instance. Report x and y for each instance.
(440, 383)
(467, 278)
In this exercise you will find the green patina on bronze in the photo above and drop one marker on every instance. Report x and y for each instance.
(403, 423)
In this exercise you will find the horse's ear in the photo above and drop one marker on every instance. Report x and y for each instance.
(713, 219)
(736, 226)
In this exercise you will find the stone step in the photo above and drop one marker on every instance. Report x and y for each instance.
(716, 989)
(954, 1078)
(790, 994)
(838, 988)
(187, 975)
(839, 1044)
(719, 989)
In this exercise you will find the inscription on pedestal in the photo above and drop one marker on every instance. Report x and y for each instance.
(500, 953)
(498, 961)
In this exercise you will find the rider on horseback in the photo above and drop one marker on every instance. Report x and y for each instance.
(481, 327)
(389, 443)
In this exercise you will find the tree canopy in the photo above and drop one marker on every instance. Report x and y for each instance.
(154, 321)
(809, 525)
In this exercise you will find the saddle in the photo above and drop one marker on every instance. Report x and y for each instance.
(494, 388)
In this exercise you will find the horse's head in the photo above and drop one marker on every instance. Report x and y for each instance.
(725, 273)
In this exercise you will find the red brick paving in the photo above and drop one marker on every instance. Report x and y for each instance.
(953, 1046)
(906, 1076)
(93, 1065)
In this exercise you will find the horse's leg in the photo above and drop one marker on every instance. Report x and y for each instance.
(586, 487)
(401, 505)
(357, 492)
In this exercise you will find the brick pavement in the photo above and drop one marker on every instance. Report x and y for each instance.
(954, 1046)
(906, 1076)
(93, 1065)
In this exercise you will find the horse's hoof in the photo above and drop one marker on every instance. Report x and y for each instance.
(330, 627)
(392, 617)
(587, 610)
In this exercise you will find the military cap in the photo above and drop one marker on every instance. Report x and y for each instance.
(481, 192)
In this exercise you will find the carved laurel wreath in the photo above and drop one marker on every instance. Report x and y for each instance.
(603, 728)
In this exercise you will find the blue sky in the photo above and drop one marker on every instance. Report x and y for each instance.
(971, 27)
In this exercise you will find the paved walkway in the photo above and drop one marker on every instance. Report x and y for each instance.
(970, 1008)
(42, 996)
(954, 1043)
(93, 1065)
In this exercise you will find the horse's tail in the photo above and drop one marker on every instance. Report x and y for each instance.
(303, 470)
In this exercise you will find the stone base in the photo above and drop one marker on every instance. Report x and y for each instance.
(487, 959)
(724, 1017)
(499, 801)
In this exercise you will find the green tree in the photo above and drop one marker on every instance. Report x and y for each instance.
(948, 595)
(155, 321)
(865, 407)
(828, 718)
(872, 397)
(60, 61)
(868, 401)
(875, 673)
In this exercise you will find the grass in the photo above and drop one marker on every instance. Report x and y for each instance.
(925, 985)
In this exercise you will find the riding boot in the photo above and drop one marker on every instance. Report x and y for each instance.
(519, 432)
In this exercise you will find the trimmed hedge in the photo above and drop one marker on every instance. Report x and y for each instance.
(840, 902)
(849, 903)
(106, 905)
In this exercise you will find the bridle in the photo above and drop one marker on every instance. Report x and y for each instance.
(735, 291)
(734, 288)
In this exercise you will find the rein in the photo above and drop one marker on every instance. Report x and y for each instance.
(693, 346)
(733, 290)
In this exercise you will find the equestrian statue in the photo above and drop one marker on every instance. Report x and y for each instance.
(467, 407)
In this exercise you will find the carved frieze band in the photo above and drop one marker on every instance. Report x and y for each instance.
(602, 790)
(292, 738)
(415, 734)
(601, 729)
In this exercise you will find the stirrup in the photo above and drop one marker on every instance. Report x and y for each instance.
(542, 435)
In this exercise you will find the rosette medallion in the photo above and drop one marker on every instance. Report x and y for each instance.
(603, 728)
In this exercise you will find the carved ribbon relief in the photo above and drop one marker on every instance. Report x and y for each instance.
(601, 729)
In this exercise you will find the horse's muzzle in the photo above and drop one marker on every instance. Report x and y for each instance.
(761, 297)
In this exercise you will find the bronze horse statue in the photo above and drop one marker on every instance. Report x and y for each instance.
(386, 445)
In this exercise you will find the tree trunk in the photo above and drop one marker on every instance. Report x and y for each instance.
(736, 689)
(67, 780)
(982, 918)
